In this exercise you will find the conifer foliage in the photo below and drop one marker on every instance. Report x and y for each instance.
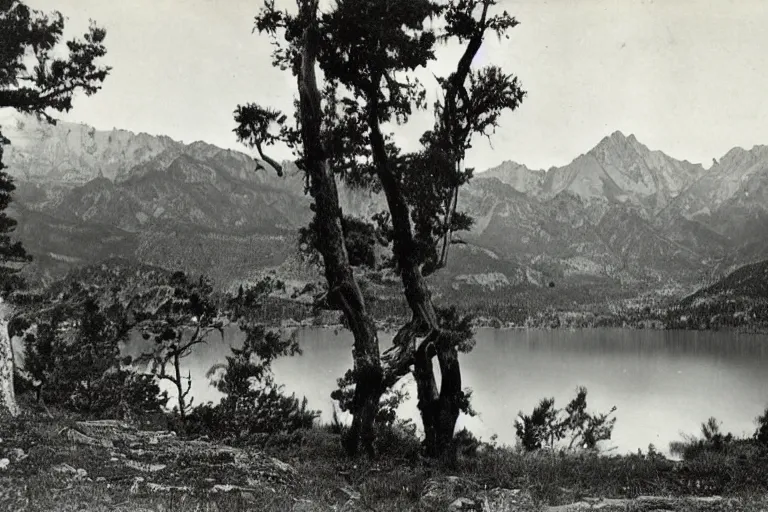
(38, 75)
(368, 52)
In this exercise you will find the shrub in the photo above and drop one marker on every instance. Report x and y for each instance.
(761, 435)
(713, 441)
(122, 393)
(76, 365)
(253, 403)
(547, 426)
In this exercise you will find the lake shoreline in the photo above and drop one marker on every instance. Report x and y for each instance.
(393, 325)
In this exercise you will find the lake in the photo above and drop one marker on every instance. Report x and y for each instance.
(663, 383)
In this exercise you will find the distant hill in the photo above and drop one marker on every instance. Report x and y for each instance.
(621, 219)
(738, 299)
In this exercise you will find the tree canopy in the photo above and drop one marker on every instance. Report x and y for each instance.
(368, 51)
(38, 75)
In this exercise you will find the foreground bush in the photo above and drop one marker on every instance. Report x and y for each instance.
(253, 404)
(76, 366)
(547, 426)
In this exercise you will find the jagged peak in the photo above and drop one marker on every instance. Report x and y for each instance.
(618, 137)
(510, 165)
(738, 152)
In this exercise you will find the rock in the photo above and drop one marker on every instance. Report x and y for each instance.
(80, 438)
(4, 463)
(462, 504)
(144, 466)
(136, 484)
(17, 454)
(81, 473)
(100, 479)
(230, 488)
(283, 466)
(153, 487)
(64, 468)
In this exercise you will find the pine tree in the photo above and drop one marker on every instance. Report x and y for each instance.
(368, 51)
(35, 78)
(184, 322)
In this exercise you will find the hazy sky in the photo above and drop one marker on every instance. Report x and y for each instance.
(689, 77)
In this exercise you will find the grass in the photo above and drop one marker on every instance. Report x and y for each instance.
(325, 479)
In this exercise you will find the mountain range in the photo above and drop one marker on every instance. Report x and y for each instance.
(619, 218)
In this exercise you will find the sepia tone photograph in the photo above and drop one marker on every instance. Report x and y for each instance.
(383, 255)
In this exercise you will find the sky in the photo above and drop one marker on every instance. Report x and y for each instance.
(688, 77)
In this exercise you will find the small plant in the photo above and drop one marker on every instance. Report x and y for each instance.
(185, 321)
(253, 403)
(713, 440)
(547, 426)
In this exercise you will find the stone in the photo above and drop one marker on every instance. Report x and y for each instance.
(283, 466)
(81, 473)
(462, 505)
(4, 463)
(64, 468)
(153, 487)
(144, 466)
(17, 454)
(136, 484)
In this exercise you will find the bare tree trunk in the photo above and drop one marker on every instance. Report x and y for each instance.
(439, 411)
(8, 405)
(179, 386)
(343, 290)
(450, 211)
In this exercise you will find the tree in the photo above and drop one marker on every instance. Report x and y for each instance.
(72, 359)
(367, 50)
(35, 78)
(253, 402)
(41, 350)
(184, 321)
(303, 33)
(94, 350)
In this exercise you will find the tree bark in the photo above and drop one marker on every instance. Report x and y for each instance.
(439, 411)
(179, 386)
(8, 405)
(450, 211)
(343, 290)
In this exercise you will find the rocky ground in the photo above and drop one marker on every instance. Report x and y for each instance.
(114, 466)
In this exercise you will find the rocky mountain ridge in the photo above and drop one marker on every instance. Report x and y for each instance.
(620, 213)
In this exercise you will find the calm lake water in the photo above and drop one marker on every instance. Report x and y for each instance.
(663, 383)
